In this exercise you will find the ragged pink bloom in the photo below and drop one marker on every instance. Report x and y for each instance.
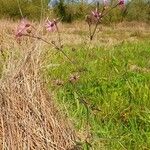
(22, 27)
(96, 14)
(121, 2)
(50, 25)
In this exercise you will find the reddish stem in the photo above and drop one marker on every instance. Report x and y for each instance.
(50, 43)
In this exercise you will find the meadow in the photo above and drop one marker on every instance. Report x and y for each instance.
(109, 96)
(104, 91)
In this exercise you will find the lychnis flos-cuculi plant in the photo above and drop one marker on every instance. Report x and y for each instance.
(96, 16)
(25, 29)
(94, 19)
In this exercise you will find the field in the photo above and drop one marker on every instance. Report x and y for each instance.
(102, 86)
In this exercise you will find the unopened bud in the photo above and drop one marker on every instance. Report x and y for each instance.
(29, 31)
(27, 25)
(53, 42)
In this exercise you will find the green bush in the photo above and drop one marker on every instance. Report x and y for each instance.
(23, 8)
(136, 10)
(61, 11)
(139, 10)
(71, 12)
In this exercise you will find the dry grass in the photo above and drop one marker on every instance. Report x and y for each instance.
(29, 118)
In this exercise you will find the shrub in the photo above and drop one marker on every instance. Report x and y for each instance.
(136, 10)
(139, 10)
(70, 12)
(22, 8)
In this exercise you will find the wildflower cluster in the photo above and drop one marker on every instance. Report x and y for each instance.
(94, 19)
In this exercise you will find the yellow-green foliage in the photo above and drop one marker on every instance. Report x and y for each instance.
(138, 10)
(23, 8)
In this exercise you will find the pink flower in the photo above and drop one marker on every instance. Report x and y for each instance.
(22, 27)
(50, 25)
(121, 2)
(96, 14)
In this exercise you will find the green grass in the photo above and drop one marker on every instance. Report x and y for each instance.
(115, 84)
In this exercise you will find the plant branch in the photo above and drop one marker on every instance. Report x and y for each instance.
(99, 20)
(50, 43)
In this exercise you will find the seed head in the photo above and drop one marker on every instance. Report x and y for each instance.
(121, 2)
